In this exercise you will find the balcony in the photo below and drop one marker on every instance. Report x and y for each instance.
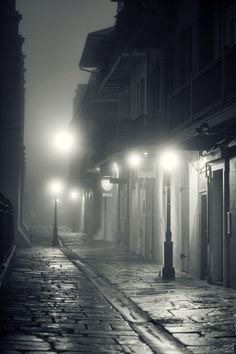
(144, 23)
(129, 134)
(115, 75)
(113, 52)
(211, 88)
(180, 106)
(125, 135)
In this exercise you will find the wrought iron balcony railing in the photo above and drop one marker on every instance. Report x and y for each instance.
(212, 87)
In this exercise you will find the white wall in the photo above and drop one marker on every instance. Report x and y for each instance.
(194, 248)
(176, 219)
(110, 207)
(159, 218)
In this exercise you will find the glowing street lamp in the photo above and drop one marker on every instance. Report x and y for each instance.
(55, 187)
(74, 194)
(134, 160)
(169, 161)
(64, 141)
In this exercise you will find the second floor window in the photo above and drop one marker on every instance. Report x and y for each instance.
(180, 59)
(153, 4)
(155, 90)
(231, 28)
(140, 97)
(206, 32)
(185, 54)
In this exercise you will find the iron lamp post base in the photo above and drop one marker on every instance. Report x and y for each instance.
(168, 271)
(55, 241)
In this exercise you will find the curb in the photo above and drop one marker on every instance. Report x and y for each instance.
(6, 267)
(159, 340)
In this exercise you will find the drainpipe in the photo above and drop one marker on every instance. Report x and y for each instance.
(129, 206)
(227, 222)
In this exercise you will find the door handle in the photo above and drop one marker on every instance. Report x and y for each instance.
(228, 223)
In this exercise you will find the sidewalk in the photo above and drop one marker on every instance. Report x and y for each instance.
(199, 315)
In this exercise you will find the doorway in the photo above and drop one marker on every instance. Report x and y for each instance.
(216, 229)
(203, 237)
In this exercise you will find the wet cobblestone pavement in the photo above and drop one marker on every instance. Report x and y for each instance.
(199, 315)
(49, 306)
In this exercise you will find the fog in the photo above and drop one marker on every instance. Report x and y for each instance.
(55, 32)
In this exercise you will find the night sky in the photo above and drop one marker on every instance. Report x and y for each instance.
(55, 32)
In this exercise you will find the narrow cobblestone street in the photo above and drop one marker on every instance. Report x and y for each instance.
(96, 298)
(49, 306)
(199, 315)
(118, 176)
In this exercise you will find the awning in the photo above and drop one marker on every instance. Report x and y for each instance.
(92, 53)
(208, 138)
(117, 76)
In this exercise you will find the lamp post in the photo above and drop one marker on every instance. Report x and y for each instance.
(169, 161)
(55, 188)
(64, 143)
(55, 229)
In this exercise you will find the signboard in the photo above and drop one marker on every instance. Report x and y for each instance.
(107, 194)
(106, 185)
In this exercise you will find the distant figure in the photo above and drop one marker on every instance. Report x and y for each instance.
(31, 232)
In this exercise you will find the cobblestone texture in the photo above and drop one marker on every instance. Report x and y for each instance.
(49, 306)
(199, 315)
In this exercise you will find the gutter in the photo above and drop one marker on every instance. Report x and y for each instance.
(6, 265)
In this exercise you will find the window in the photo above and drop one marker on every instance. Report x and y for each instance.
(153, 4)
(231, 28)
(140, 97)
(124, 105)
(206, 32)
(133, 101)
(180, 59)
(155, 90)
(185, 55)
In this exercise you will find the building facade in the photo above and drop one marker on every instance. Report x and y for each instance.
(12, 153)
(164, 76)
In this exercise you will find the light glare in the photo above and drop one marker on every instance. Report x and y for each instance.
(115, 166)
(134, 159)
(169, 160)
(55, 186)
(74, 194)
(64, 141)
